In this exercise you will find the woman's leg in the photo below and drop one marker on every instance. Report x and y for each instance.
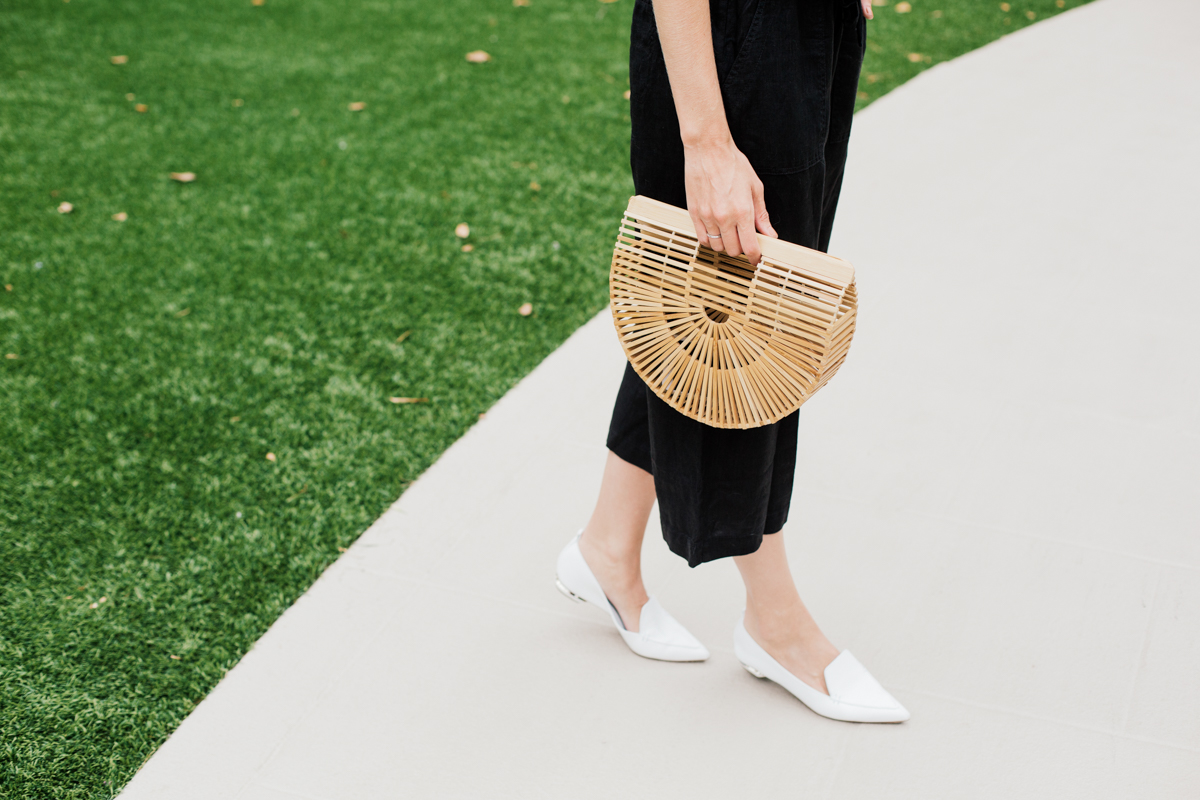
(612, 541)
(776, 617)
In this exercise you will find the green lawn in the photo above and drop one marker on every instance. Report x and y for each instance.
(274, 305)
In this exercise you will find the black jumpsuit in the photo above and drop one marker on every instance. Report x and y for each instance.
(789, 76)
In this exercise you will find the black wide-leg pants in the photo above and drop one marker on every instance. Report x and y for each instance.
(789, 76)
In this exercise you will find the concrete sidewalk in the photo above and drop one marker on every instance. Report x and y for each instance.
(997, 508)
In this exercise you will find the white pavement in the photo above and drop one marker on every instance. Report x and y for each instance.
(997, 508)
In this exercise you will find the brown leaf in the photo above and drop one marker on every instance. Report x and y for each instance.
(119, 59)
(65, 208)
(343, 549)
(357, 106)
(103, 599)
(478, 57)
(403, 336)
(525, 310)
(462, 230)
(97, 605)
(271, 457)
(566, 98)
(174, 657)
(235, 419)
(903, 8)
(257, 2)
(519, 3)
(628, 94)
(608, 1)
(183, 313)
(537, 187)
(404, 400)
(8, 287)
(183, 177)
(1031, 15)
(120, 216)
(1005, 7)
(141, 108)
(11, 356)
(915, 57)
(466, 248)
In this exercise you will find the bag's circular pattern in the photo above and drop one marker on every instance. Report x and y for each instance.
(727, 343)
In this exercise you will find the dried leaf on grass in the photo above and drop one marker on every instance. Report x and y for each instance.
(65, 208)
(403, 336)
(183, 313)
(903, 8)
(141, 108)
(120, 216)
(467, 248)
(628, 94)
(183, 177)
(478, 57)
(462, 230)
(11, 356)
(357, 106)
(271, 457)
(405, 400)
(520, 3)
(915, 57)
(119, 59)
(525, 310)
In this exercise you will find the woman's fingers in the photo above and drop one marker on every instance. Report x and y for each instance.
(701, 229)
(762, 220)
(732, 223)
(748, 240)
(867, 12)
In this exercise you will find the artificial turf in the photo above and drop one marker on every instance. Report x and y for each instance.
(274, 305)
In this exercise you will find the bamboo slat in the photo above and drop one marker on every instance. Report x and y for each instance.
(719, 339)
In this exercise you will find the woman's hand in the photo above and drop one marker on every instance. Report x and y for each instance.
(867, 12)
(725, 199)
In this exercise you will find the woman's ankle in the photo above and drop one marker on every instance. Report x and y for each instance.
(611, 551)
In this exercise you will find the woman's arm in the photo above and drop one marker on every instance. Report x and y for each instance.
(724, 195)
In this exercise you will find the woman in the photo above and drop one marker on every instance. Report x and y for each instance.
(738, 106)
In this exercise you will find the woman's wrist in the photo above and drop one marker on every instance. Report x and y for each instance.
(708, 141)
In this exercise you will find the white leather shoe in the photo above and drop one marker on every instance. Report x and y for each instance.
(854, 694)
(658, 636)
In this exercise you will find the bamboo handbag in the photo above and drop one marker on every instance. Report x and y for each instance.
(727, 343)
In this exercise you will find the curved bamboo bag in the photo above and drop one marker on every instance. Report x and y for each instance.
(720, 340)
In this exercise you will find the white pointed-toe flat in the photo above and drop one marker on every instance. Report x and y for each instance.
(659, 635)
(854, 694)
